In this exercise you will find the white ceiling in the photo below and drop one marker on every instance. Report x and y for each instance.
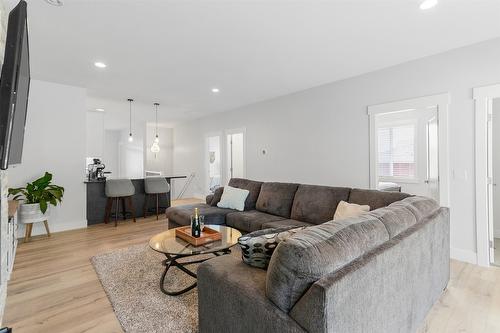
(175, 51)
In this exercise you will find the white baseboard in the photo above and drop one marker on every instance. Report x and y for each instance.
(463, 255)
(496, 233)
(39, 229)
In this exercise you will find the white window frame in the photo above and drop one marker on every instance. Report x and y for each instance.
(395, 123)
(483, 97)
(441, 103)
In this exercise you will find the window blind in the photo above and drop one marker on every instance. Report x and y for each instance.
(396, 151)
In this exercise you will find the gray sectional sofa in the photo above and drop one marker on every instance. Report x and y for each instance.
(379, 272)
(273, 204)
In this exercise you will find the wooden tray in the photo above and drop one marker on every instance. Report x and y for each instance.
(207, 235)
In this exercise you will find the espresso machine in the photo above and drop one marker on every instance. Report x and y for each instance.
(95, 170)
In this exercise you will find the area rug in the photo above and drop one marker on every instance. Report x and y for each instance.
(130, 277)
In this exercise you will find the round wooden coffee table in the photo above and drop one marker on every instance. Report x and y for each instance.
(175, 248)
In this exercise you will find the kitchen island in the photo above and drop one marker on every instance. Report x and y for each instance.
(96, 199)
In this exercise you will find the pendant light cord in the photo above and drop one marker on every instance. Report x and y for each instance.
(130, 100)
(156, 118)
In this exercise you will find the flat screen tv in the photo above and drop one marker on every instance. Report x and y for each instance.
(14, 87)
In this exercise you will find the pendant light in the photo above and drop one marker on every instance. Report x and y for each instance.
(155, 147)
(130, 137)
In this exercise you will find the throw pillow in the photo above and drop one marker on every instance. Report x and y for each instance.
(217, 196)
(345, 210)
(257, 247)
(233, 198)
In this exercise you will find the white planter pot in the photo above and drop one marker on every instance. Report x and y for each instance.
(31, 213)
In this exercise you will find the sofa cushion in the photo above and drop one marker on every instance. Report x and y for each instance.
(316, 251)
(277, 198)
(419, 206)
(208, 199)
(249, 221)
(375, 199)
(216, 196)
(181, 215)
(258, 246)
(395, 218)
(317, 204)
(284, 223)
(233, 198)
(252, 186)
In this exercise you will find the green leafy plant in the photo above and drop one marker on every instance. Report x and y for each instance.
(41, 191)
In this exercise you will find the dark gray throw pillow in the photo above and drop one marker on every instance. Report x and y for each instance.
(257, 247)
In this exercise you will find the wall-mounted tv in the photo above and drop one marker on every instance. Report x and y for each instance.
(14, 87)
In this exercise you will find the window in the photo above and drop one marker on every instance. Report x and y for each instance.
(396, 151)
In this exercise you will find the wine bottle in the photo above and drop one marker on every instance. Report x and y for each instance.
(195, 224)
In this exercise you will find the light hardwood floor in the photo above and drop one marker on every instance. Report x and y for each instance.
(54, 287)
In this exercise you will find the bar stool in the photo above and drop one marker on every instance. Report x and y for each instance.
(155, 186)
(116, 190)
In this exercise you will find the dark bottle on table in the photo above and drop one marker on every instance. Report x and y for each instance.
(196, 224)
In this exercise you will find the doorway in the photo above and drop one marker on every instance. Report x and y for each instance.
(213, 163)
(409, 147)
(407, 151)
(487, 131)
(235, 154)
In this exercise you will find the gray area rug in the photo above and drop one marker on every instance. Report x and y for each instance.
(130, 278)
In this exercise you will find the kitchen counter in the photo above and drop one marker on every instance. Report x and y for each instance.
(96, 199)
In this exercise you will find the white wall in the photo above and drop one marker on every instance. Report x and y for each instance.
(94, 134)
(320, 136)
(131, 154)
(110, 152)
(161, 161)
(54, 141)
(107, 138)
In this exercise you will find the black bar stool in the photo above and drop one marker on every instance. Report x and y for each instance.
(154, 186)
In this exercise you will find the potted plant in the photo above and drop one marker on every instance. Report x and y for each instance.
(36, 197)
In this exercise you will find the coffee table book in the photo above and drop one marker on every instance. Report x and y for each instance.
(208, 235)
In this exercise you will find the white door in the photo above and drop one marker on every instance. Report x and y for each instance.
(213, 163)
(235, 155)
(494, 177)
(432, 148)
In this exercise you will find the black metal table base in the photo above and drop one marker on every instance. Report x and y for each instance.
(172, 261)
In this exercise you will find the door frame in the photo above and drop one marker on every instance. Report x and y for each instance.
(225, 170)
(483, 97)
(441, 103)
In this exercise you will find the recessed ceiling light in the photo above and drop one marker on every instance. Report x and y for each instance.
(428, 4)
(215, 90)
(99, 64)
(100, 109)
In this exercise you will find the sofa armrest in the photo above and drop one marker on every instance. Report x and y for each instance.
(208, 199)
(231, 298)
